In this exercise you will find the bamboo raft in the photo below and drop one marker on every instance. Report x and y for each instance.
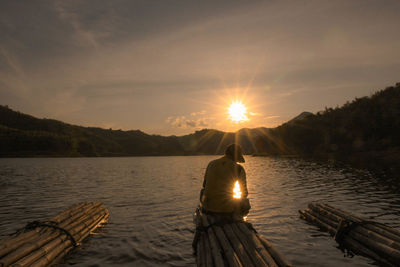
(46, 243)
(232, 244)
(371, 239)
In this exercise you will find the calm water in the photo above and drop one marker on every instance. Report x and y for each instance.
(151, 201)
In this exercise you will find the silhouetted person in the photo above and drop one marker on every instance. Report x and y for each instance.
(219, 194)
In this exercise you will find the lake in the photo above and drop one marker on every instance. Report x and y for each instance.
(152, 199)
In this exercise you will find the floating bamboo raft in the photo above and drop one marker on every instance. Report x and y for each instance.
(45, 243)
(371, 239)
(232, 244)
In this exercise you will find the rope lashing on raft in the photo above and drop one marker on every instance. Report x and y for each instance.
(51, 224)
(344, 227)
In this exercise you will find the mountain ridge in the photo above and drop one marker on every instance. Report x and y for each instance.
(363, 133)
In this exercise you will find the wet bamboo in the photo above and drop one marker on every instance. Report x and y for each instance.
(207, 250)
(353, 244)
(15, 248)
(60, 256)
(389, 231)
(318, 222)
(368, 238)
(325, 213)
(202, 252)
(257, 245)
(382, 249)
(323, 218)
(79, 216)
(278, 257)
(50, 254)
(199, 251)
(83, 217)
(197, 240)
(90, 229)
(237, 246)
(43, 240)
(377, 237)
(360, 249)
(55, 257)
(24, 238)
(230, 254)
(47, 251)
(251, 250)
(26, 249)
(69, 212)
(377, 233)
(215, 248)
(19, 241)
(373, 236)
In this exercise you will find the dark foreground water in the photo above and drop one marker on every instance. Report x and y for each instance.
(151, 201)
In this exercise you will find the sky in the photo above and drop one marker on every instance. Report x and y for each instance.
(173, 67)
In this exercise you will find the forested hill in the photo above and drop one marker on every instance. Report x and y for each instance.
(364, 133)
(22, 135)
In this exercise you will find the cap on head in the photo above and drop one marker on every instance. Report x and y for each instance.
(235, 153)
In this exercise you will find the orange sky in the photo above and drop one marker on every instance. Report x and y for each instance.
(172, 67)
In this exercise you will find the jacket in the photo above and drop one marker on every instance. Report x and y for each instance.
(219, 181)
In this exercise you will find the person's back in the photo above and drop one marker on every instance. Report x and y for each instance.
(219, 182)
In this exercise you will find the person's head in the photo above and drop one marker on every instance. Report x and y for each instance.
(234, 152)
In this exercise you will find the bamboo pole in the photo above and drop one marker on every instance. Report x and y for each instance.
(380, 236)
(207, 250)
(215, 248)
(49, 237)
(360, 249)
(199, 251)
(378, 228)
(251, 250)
(19, 241)
(47, 253)
(377, 237)
(379, 247)
(25, 237)
(361, 239)
(318, 222)
(257, 245)
(203, 262)
(325, 213)
(42, 246)
(352, 243)
(237, 246)
(230, 254)
(278, 257)
(70, 212)
(323, 218)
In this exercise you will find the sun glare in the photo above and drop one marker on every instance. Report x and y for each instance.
(238, 112)
(236, 191)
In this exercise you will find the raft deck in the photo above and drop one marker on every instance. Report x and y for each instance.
(233, 243)
(46, 243)
(356, 235)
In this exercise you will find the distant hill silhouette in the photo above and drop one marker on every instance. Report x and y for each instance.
(22, 135)
(364, 133)
(301, 116)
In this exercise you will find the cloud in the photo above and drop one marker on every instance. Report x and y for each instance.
(272, 117)
(184, 123)
(254, 114)
(198, 113)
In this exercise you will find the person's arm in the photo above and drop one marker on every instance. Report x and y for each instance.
(243, 182)
(205, 176)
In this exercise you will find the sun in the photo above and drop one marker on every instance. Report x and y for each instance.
(237, 112)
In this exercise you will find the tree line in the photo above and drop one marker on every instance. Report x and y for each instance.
(363, 133)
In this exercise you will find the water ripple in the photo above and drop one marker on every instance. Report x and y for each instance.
(151, 201)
